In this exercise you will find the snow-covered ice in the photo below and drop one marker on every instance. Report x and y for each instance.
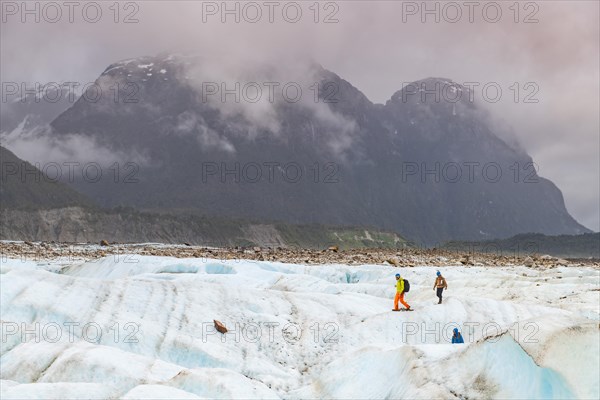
(134, 327)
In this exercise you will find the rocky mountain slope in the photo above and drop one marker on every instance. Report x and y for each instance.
(85, 225)
(23, 186)
(36, 207)
(586, 245)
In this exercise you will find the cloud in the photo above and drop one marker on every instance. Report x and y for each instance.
(41, 146)
(192, 124)
(258, 93)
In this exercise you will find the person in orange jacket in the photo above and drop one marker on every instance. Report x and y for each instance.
(400, 294)
(440, 284)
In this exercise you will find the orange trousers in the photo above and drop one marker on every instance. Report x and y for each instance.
(400, 297)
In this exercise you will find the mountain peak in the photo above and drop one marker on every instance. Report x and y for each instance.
(433, 90)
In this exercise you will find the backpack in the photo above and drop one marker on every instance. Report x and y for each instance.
(406, 286)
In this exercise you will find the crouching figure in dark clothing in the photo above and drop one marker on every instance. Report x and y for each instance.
(457, 337)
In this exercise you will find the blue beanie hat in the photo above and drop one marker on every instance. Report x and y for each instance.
(438, 273)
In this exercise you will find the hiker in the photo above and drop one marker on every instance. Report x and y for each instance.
(457, 337)
(400, 294)
(440, 284)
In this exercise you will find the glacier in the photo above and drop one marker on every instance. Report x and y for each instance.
(141, 327)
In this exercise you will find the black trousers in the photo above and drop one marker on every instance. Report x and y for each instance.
(439, 292)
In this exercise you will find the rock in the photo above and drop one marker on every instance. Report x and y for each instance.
(256, 249)
(187, 244)
(219, 326)
(528, 262)
(29, 244)
(103, 243)
(334, 248)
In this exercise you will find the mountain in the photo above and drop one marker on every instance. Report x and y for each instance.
(36, 207)
(28, 106)
(25, 187)
(91, 225)
(330, 157)
(586, 245)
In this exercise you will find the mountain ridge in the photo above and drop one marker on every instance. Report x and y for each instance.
(370, 149)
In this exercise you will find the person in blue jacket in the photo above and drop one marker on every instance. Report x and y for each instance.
(457, 337)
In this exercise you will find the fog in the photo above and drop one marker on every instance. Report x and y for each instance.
(547, 51)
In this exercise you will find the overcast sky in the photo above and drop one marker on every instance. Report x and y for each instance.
(375, 45)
